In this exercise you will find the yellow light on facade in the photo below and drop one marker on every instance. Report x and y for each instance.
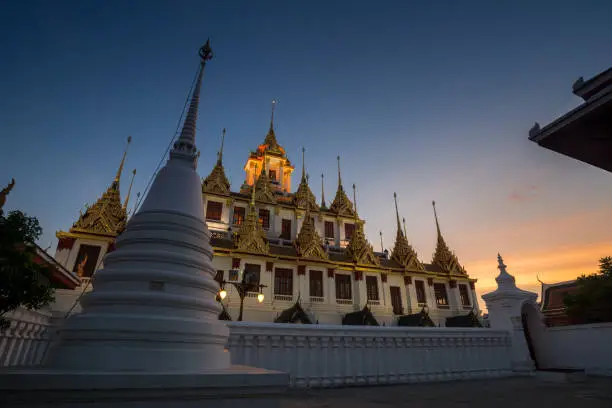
(260, 297)
(222, 294)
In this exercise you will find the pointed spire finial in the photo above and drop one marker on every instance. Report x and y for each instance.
(399, 226)
(339, 178)
(184, 148)
(303, 164)
(382, 248)
(220, 155)
(355, 199)
(322, 191)
(404, 222)
(127, 198)
(120, 169)
(433, 203)
(272, 115)
(253, 191)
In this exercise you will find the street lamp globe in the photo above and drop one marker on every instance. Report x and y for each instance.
(222, 294)
(260, 297)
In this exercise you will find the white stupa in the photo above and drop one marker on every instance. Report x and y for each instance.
(149, 330)
(156, 293)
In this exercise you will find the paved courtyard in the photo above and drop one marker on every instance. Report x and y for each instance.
(512, 392)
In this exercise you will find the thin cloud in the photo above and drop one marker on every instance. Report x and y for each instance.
(524, 194)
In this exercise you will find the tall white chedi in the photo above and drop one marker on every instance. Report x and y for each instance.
(152, 307)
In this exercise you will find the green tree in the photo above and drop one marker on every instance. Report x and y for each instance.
(20, 275)
(592, 301)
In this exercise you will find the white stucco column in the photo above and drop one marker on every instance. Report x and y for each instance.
(505, 306)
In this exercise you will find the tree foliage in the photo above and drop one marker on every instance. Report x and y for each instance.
(592, 300)
(20, 275)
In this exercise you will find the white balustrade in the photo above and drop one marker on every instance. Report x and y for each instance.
(329, 355)
(26, 340)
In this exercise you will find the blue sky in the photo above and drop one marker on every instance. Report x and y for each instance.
(433, 100)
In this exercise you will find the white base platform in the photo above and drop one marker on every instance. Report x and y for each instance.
(71, 389)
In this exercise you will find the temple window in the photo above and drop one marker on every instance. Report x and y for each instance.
(285, 229)
(372, 287)
(316, 284)
(88, 254)
(441, 296)
(464, 294)
(349, 231)
(419, 287)
(343, 287)
(272, 175)
(264, 218)
(239, 214)
(396, 300)
(214, 210)
(252, 275)
(283, 282)
(329, 229)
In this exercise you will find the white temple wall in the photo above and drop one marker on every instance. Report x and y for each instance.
(584, 346)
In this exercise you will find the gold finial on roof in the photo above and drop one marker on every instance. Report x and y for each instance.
(251, 237)
(217, 182)
(443, 256)
(308, 242)
(382, 247)
(5, 192)
(403, 253)
(322, 192)
(127, 198)
(355, 199)
(120, 170)
(404, 222)
(304, 198)
(339, 176)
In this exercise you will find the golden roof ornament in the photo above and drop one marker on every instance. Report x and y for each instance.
(217, 182)
(270, 141)
(341, 204)
(403, 253)
(443, 256)
(263, 186)
(107, 216)
(5, 192)
(323, 205)
(304, 198)
(251, 237)
(308, 243)
(359, 250)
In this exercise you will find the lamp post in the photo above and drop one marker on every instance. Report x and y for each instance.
(243, 287)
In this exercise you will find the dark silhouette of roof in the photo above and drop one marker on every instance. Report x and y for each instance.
(294, 314)
(420, 319)
(364, 317)
(468, 320)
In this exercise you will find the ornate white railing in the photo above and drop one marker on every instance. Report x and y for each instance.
(327, 356)
(27, 339)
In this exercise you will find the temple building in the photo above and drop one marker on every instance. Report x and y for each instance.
(312, 260)
(302, 261)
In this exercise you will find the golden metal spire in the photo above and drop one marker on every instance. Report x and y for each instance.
(399, 226)
(303, 163)
(322, 192)
(355, 199)
(216, 181)
(220, 155)
(382, 248)
(272, 115)
(127, 198)
(120, 170)
(404, 222)
(339, 177)
(443, 256)
(253, 191)
(403, 253)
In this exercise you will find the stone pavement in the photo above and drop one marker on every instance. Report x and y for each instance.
(501, 393)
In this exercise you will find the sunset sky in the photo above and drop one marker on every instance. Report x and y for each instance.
(433, 100)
